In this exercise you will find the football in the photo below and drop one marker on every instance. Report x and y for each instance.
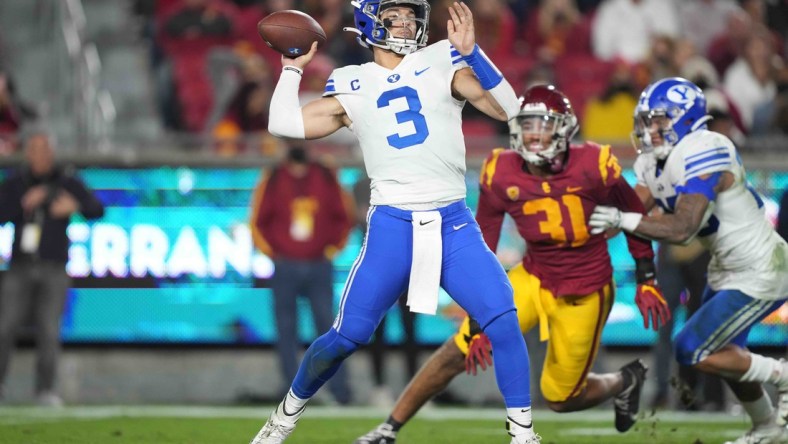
(291, 32)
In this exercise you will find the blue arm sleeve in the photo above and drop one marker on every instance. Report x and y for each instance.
(697, 185)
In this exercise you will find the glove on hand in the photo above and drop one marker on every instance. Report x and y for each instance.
(479, 354)
(652, 305)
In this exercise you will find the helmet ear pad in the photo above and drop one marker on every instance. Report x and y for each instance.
(546, 103)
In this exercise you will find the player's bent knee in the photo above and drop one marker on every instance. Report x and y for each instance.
(503, 328)
(341, 346)
(358, 329)
(560, 406)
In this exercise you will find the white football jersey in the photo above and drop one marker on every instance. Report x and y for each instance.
(408, 125)
(747, 254)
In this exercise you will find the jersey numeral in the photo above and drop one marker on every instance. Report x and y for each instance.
(411, 114)
(554, 223)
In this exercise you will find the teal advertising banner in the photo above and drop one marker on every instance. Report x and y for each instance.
(172, 262)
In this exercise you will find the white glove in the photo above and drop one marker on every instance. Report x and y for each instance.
(604, 218)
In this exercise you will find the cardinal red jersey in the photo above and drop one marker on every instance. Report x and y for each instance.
(552, 214)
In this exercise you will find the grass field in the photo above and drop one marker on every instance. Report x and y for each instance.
(216, 425)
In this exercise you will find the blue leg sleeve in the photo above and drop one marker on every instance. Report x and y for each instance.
(512, 367)
(321, 361)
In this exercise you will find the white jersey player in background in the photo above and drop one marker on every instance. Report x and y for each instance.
(697, 178)
(405, 110)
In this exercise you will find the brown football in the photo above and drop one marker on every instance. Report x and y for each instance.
(291, 32)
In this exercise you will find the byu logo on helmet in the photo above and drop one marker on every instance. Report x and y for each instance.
(681, 94)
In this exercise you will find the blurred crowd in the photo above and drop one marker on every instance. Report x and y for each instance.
(215, 75)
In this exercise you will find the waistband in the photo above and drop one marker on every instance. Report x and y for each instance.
(452, 208)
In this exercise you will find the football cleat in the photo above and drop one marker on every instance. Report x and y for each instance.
(382, 434)
(278, 427)
(521, 433)
(770, 434)
(530, 439)
(627, 403)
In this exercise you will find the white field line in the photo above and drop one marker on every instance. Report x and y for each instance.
(22, 414)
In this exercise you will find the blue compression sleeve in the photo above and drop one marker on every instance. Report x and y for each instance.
(485, 71)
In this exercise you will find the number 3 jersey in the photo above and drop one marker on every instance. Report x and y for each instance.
(408, 125)
(552, 214)
(747, 254)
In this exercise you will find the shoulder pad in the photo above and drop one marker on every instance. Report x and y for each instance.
(490, 166)
(706, 152)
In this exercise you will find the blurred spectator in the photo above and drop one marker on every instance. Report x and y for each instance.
(772, 116)
(301, 218)
(703, 20)
(496, 29)
(701, 72)
(329, 14)
(722, 121)
(39, 200)
(247, 111)
(557, 27)
(198, 18)
(749, 81)
(623, 29)
(661, 61)
(727, 46)
(13, 113)
(608, 118)
(777, 18)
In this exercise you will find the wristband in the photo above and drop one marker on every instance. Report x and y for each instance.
(645, 270)
(630, 221)
(485, 71)
(295, 69)
(474, 328)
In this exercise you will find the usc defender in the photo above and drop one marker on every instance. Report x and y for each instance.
(565, 281)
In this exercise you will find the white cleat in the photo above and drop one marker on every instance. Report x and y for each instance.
(522, 433)
(278, 427)
(771, 434)
(523, 439)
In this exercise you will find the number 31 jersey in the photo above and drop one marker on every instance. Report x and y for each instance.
(552, 214)
(408, 125)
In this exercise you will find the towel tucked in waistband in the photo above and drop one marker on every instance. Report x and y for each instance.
(425, 271)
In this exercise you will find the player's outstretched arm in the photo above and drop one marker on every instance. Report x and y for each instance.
(483, 84)
(693, 209)
(287, 118)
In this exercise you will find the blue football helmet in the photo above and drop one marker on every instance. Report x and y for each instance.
(673, 108)
(372, 30)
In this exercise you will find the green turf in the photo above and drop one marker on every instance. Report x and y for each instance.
(215, 426)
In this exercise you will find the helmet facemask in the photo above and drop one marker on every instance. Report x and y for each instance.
(378, 22)
(541, 137)
(653, 133)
